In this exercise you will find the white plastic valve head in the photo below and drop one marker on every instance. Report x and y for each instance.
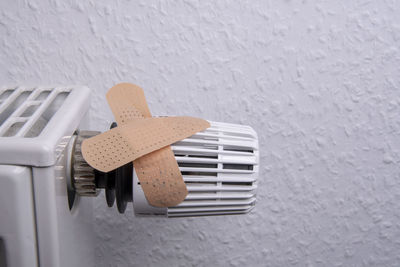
(220, 168)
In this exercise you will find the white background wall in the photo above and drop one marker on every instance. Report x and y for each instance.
(318, 80)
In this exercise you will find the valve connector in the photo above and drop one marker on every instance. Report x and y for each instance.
(83, 175)
(88, 182)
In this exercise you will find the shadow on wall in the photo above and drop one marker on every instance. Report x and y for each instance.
(3, 260)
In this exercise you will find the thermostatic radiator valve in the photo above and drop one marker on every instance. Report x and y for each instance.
(219, 166)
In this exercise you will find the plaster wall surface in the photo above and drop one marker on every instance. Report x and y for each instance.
(318, 80)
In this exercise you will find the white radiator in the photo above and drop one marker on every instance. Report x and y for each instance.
(37, 227)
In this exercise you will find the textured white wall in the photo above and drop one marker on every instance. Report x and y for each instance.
(318, 80)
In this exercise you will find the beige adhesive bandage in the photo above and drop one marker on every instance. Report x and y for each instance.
(123, 144)
(158, 172)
